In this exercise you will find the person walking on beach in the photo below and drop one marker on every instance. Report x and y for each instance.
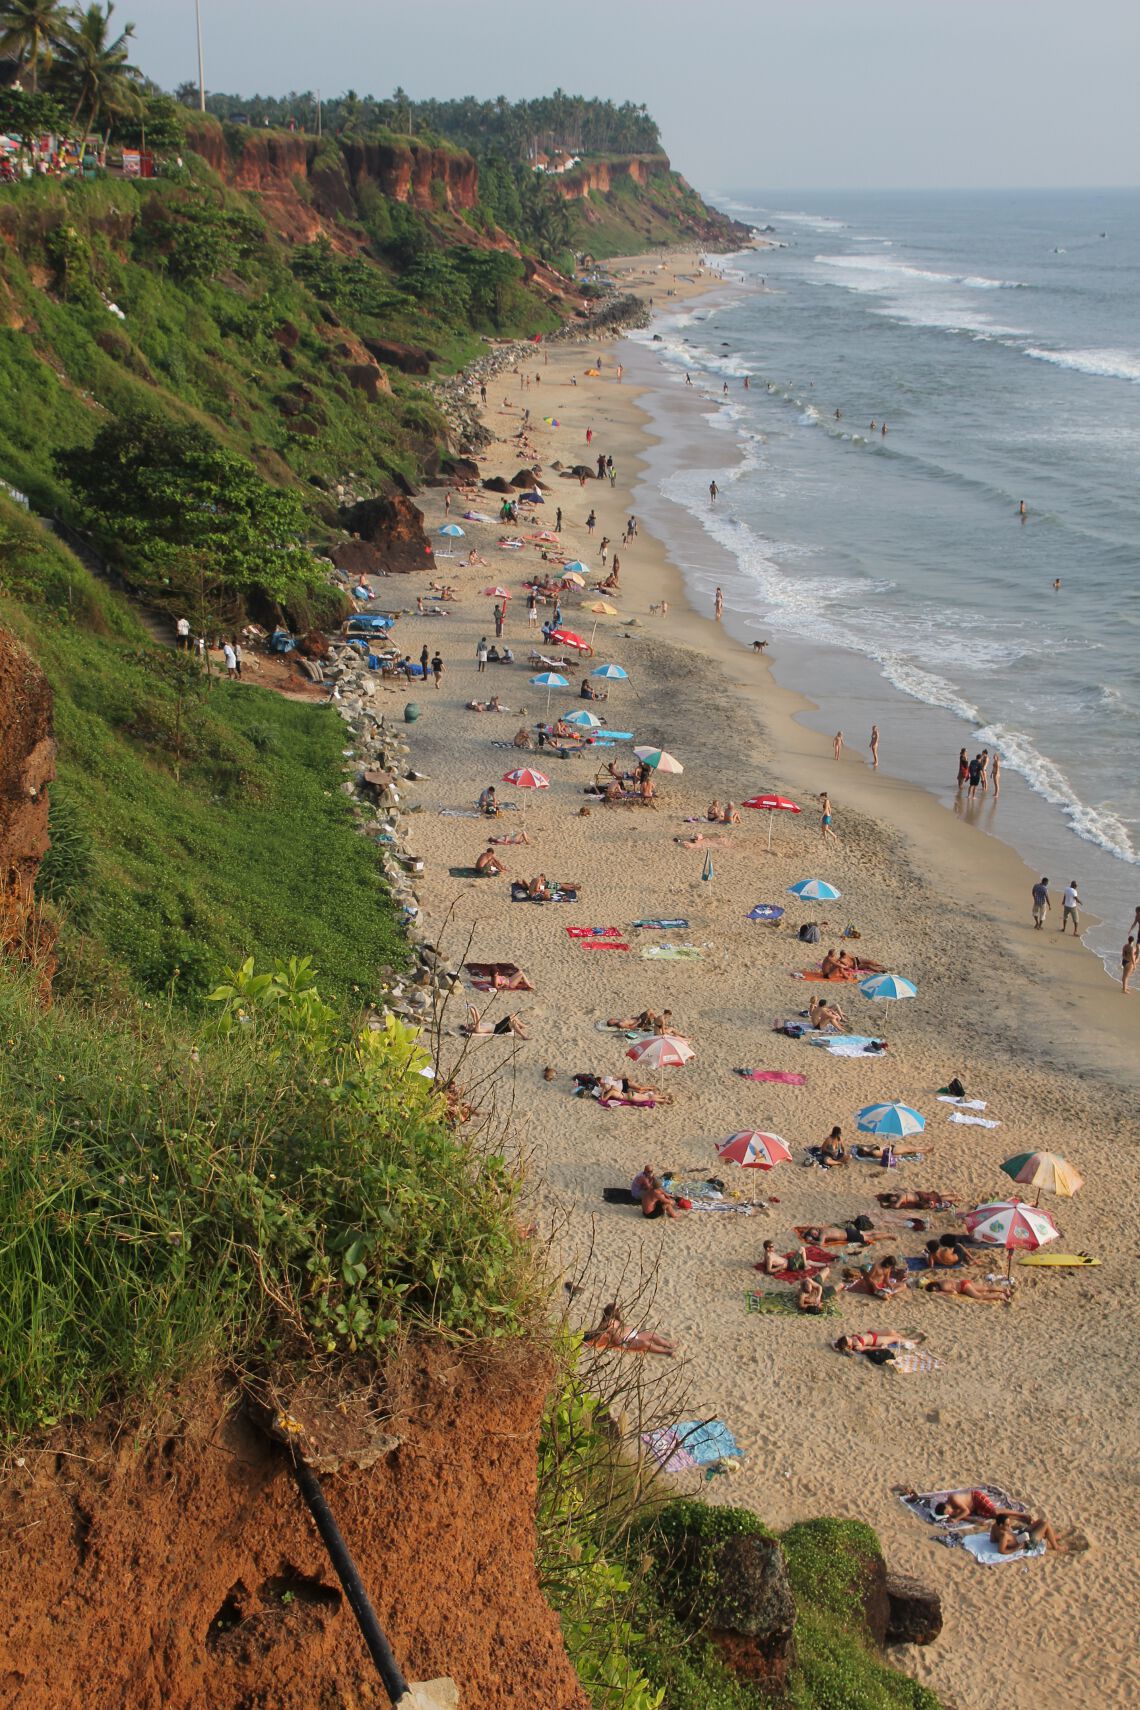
(825, 828)
(997, 775)
(837, 744)
(963, 767)
(558, 520)
(591, 523)
(718, 605)
(589, 435)
(1040, 903)
(875, 747)
(713, 491)
(1070, 908)
(1128, 959)
(425, 664)
(480, 655)
(532, 609)
(975, 776)
(437, 666)
(447, 503)
(500, 619)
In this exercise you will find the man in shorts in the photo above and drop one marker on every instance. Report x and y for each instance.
(1070, 907)
(1040, 903)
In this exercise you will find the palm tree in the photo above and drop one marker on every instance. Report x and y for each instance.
(31, 29)
(96, 70)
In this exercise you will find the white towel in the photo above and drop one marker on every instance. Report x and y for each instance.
(974, 1121)
(962, 1103)
(979, 1546)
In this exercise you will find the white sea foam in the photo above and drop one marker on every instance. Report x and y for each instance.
(1098, 825)
(814, 222)
(890, 272)
(1104, 364)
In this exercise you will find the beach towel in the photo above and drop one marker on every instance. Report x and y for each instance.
(769, 913)
(783, 1077)
(922, 1504)
(593, 932)
(838, 979)
(756, 1300)
(979, 1546)
(846, 1044)
(461, 813)
(973, 1121)
(630, 1033)
(670, 953)
(962, 1103)
(914, 1360)
(465, 872)
(615, 1100)
(601, 944)
(693, 1443)
(659, 925)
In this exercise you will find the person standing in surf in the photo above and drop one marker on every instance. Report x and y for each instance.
(718, 605)
(874, 747)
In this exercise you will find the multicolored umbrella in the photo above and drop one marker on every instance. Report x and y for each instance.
(452, 531)
(497, 593)
(1046, 1172)
(770, 805)
(754, 1150)
(888, 986)
(659, 760)
(896, 1119)
(1012, 1224)
(814, 890)
(663, 1051)
(552, 421)
(612, 673)
(526, 779)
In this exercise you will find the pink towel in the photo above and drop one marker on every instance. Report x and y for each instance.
(601, 944)
(784, 1076)
(593, 931)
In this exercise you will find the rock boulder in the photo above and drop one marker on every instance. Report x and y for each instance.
(915, 1616)
(394, 528)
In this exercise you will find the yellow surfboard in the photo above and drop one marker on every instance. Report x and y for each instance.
(1072, 1260)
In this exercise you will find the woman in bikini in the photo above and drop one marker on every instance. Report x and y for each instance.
(833, 1152)
(916, 1199)
(612, 1333)
(860, 1341)
(967, 1288)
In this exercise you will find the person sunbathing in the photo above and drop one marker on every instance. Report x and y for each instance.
(857, 964)
(875, 1154)
(645, 1021)
(587, 693)
(612, 1333)
(523, 738)
(730, 815)
(809, 1296)
(967, 1288)
(511, 837)
(713, 812)
(540, 887)
(861, 1341)
(774, 1264)
(886, 1277)
(620, 1086)
(561, 728)
(1011, 1533)
(489, 802)
(971, 1505)
(646, 788)
(830, 1235)
(916, 1199)
(651, 1196)
(824, 1014)
(945, 1251)
(475, 1024)
(833, 1152)
(488, 864)
(831, 966)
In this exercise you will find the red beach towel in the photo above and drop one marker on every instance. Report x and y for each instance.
(784, 1076)
(593, 931)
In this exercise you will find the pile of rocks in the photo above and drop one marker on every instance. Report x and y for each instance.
(380, 781)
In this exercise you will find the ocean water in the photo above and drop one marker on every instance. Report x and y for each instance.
(998, 336)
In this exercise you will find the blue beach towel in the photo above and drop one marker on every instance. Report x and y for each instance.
(693, 1443)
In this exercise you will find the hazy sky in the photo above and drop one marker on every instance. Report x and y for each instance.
(748, 93)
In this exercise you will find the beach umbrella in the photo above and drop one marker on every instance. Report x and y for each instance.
(769, 913)
(497, 593)
(577, 567)
(545, 536)
(895, 1119)
(573, 578)
(772, 804)
(452, 531)
(754, 1150)
(888, 986)
(603, 609)
(533, 498)
(549, 680)
(659, 760)
(552, 421)
(1011, 1224)
(585, 720)
(663, 1051)
(1046, 1172)
(612, 673)
(814, 890)
(567, 638)
(526, 779)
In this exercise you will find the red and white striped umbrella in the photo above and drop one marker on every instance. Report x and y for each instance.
(525, 779)
(497, 593)
(771, 804)
(663, 1051)
(754, 1150)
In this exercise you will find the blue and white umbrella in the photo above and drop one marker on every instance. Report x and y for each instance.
(817, 890)
(612, 673)
(452, 531)
(888, 986)
(576, 568)
(584, 720)
(549, 680)
(896, 1119)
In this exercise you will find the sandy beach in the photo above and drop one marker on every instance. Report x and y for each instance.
(1032, 1397)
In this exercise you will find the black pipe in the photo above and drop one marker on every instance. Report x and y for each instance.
(378, 1647)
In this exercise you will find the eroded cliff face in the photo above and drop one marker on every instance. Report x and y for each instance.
(181, 1570)
(27, 766)
(601, 175)
(405, 172)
